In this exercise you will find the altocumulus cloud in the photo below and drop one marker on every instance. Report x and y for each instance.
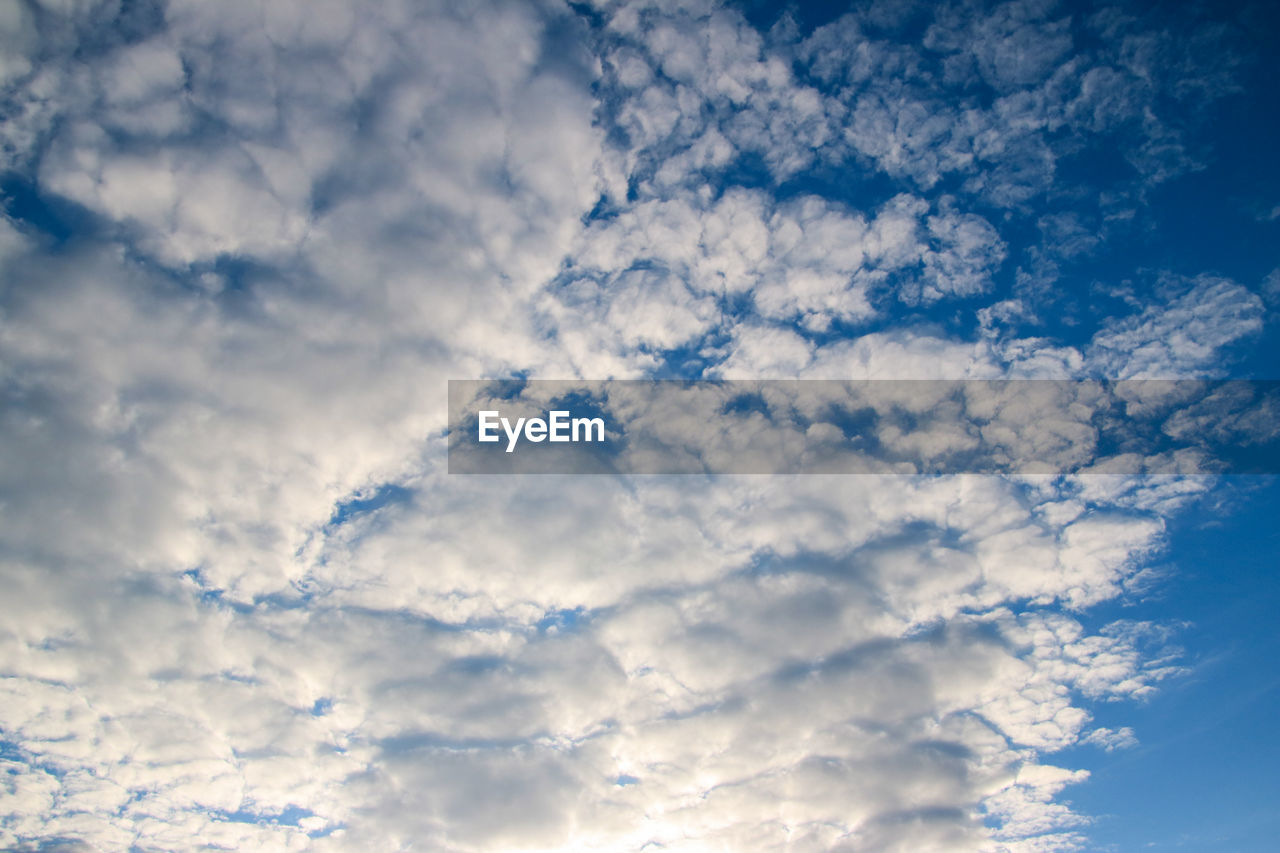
(246, 244)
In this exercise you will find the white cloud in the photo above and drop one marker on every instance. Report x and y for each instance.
(296, 224)
(1111, 739)
(1184, 336)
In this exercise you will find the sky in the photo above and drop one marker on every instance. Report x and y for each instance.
(245, 245)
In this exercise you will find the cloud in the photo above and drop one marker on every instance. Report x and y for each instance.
(1182, 337)
(1014, 45)
(1112, 739)
(243, 251)
(1271, 286)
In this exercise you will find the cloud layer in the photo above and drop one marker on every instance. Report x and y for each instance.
(245, 246)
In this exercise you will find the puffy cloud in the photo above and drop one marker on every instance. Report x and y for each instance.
(245, 604)
(1111, 739)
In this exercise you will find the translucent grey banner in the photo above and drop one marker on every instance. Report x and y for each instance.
(1032, 426)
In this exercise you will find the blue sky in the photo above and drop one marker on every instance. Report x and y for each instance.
(245, 244)
(1198, 780)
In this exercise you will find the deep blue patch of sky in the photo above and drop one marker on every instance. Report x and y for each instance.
(1202, 776)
